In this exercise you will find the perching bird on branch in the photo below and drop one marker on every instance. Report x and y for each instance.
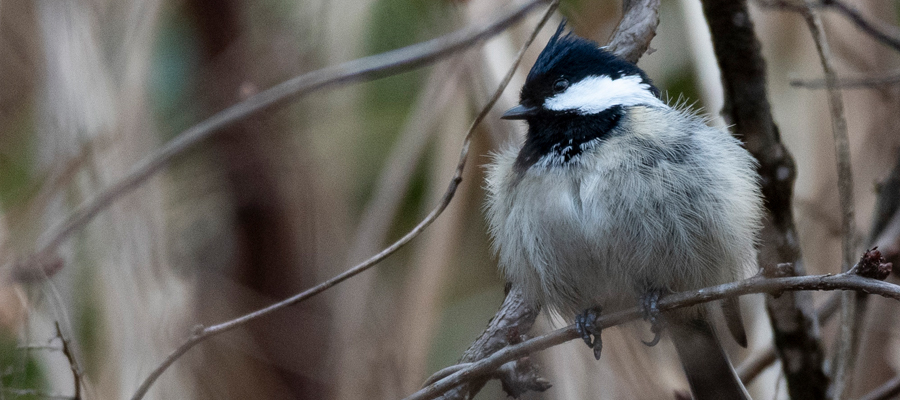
(616, 198)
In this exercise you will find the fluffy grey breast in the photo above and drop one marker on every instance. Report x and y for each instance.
(664, 203)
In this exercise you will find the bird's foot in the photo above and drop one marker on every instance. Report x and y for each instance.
(586, 325)
(650, 307)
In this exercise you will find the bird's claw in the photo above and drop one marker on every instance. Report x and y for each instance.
(657, 334)
(586, 326)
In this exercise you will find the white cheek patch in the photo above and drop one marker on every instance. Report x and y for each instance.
(594, 94)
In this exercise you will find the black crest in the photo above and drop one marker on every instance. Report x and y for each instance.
(573, 58)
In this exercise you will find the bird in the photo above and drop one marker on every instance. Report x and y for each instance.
(616, 198)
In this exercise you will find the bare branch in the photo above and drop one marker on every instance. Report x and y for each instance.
(366, 68)
(37, 393)
(747, 108)
(755, 364)
(201, 333)
(762, 359)
(395, 177)
(863, 82)
(73, 365)
(756, 284)
(841, 139)
(636, 29)
(847, 342)
(784, 5)
(508, 327)
(888, 390)
(888, 36)
(885, 234)
(47, 347)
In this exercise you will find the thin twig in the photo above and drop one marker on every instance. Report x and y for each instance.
(380, 211)
(847, 340)
(366, 68)
(778, 385)
(888, 390)
(47, 347)
(784, 5)
(201, 333)
(73, 365)
(756, 363)
(403, 158)
(36, 393)
(879, 33)
(862, 82)
(445, 373)
(514, 318)
(756, 284)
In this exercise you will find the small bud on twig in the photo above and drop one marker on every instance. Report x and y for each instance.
(873, 265)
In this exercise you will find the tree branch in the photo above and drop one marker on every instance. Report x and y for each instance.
(863, 82)
(884, 235)
(200, 333)
(758, 284)
(748, 110)
(636, 29)
(847, 340)
(73, 365)
(366, 68)
(888, 390)
(879, 33)
(755, 364)
(508, 327)
(36, 394)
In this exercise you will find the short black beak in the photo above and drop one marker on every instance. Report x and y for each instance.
(519, 112)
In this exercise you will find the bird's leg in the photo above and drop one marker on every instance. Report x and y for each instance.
(650, 306)
(586, 325)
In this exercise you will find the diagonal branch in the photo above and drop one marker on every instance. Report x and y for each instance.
(757, 284)
(366, 68)
(202, 333)
(889, 390)
(886, 35)
(879, 33)
(506, 328)
(73, 364)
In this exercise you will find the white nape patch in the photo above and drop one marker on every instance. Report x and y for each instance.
(594, 94)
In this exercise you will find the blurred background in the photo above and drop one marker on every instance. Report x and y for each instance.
(289, 198)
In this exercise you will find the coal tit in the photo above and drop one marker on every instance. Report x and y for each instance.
(615, 198)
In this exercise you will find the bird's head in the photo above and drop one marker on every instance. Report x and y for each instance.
(574, 76)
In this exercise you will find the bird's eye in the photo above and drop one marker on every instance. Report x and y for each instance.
(560, 85)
